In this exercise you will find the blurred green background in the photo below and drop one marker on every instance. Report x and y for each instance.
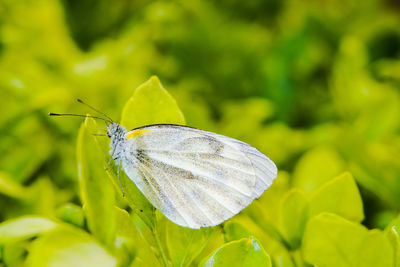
(315, 85)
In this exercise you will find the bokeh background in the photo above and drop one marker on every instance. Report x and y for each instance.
(313, 84)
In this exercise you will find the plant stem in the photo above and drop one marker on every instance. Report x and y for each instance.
(160, 249)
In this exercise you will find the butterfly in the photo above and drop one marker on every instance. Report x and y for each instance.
(195, 178)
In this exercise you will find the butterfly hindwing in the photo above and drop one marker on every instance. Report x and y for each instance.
(195, 178)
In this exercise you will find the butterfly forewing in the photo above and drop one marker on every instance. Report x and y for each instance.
(195, 178)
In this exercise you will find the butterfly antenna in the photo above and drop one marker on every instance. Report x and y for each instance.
(80, 101)
(79, 115)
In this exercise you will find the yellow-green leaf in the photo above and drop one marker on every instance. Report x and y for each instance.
(127, 237)
(14, 253)
(10, 187)
(68, 247)
(394, 239)
(151, 104)
(243, 227)
(375, 250)
(96, 189)
(24, 228)
(330, 240)
(394, 224)
(125, 225)
(235, 231)
(316, 167)
(392, 232)
(185, 244)
(339, 196)
(244, 252)
(71, 213)
(293, 216)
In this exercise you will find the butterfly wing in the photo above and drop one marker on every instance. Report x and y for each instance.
(196, 178)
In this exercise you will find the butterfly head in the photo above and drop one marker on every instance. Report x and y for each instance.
(117, 134)
(114, 130)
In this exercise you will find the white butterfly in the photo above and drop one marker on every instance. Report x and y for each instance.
(195, 178)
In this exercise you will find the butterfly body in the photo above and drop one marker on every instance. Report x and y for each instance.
(195, 178)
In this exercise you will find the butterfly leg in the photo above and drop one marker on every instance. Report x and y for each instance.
(119, 181)
(109, 162)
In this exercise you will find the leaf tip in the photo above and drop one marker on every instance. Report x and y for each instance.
(154, 79)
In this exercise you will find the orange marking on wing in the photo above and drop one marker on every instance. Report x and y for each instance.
(136, 133)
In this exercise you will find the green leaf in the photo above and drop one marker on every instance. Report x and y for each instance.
(244, 252)
(147, 252)
(243, 227)
(394, 239)
(293, 216)
(375, 250)
(148, 260)
(297, 259)
(216, 241)
(266, 215)
(235, 231)
(127, 237)
(394, 224)
(330, 240)
(68, 247)
(316, 167)
(42, 196)
(340, 196)
(14, 253)
(24, 228)
(185, 244)
(10, 187)
(71, 213)
(151, 104)
(392, 232)
(125, 226)
(97, 192)
(283, 260)
(132, 246)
